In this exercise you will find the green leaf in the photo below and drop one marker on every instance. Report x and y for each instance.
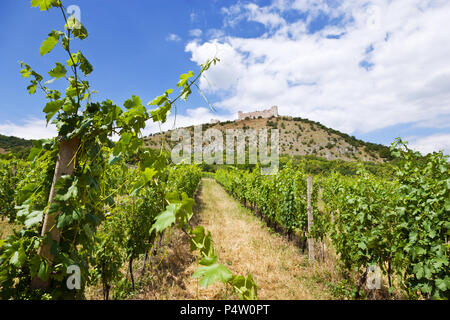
(52, 107)
(69, 106)
(58, 72)
(132, 103)
(25, 72)
(32, 87)
(166, 219)
(184, 78)
(44, 5)
(49, 43)
(198, 234)
(44, 271)
(211, 274)
(34, 218)
(113, 159)
(72, 192)
(64, 220)
(420, 251)
(18, 258)
(76, 214)
(74, 58)
(438, 262)
(148, 174)
(443, 284)
(207, 261)
(85, 65)
(419, 271)
(160, 99)
(34, 265)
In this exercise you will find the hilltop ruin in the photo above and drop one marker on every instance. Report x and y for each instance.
(272, 112)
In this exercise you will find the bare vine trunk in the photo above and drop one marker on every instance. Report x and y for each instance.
(130, 265)
(65, 165)
(310, 219)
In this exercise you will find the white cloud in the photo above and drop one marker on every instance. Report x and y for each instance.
(264, 16)
(195, 33)
(173, 37)
(225, 73)
(317, 77)
(432, 143)
(31, 128)
(215, 34)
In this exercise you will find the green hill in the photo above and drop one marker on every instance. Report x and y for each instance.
(18, 146)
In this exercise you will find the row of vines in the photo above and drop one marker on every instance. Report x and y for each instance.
(399, 223)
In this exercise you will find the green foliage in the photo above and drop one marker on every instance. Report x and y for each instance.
(423, 227)
(281, 198)
(399, 224)
(364, 217)
(398, 220)
(11, 173)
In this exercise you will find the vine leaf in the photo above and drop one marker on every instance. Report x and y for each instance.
(167, 218)
(44, 5)
(18, 258)
(211, 274)
(30, 219)
(51, 108)
(50, 42)
(58, 72)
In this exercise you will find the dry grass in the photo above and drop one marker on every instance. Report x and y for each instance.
(6, 229)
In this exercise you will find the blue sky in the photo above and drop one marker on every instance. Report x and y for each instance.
(375, 69)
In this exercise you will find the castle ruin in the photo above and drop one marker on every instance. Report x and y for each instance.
(272, 112)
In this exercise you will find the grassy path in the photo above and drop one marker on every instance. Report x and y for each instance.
(244, 243)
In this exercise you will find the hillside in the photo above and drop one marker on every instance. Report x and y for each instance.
(18, 146)
(299, 137)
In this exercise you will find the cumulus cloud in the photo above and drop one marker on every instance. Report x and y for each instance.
(433, 143)
(31, 128)
(379, 64)
(173, 37)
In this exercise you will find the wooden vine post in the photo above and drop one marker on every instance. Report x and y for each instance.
(310, 218)
(65, 165)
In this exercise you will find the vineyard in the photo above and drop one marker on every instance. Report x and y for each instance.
(399, 223)
(85, 206)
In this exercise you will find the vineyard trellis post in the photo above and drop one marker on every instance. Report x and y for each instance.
(65, 165)
(310, 218)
